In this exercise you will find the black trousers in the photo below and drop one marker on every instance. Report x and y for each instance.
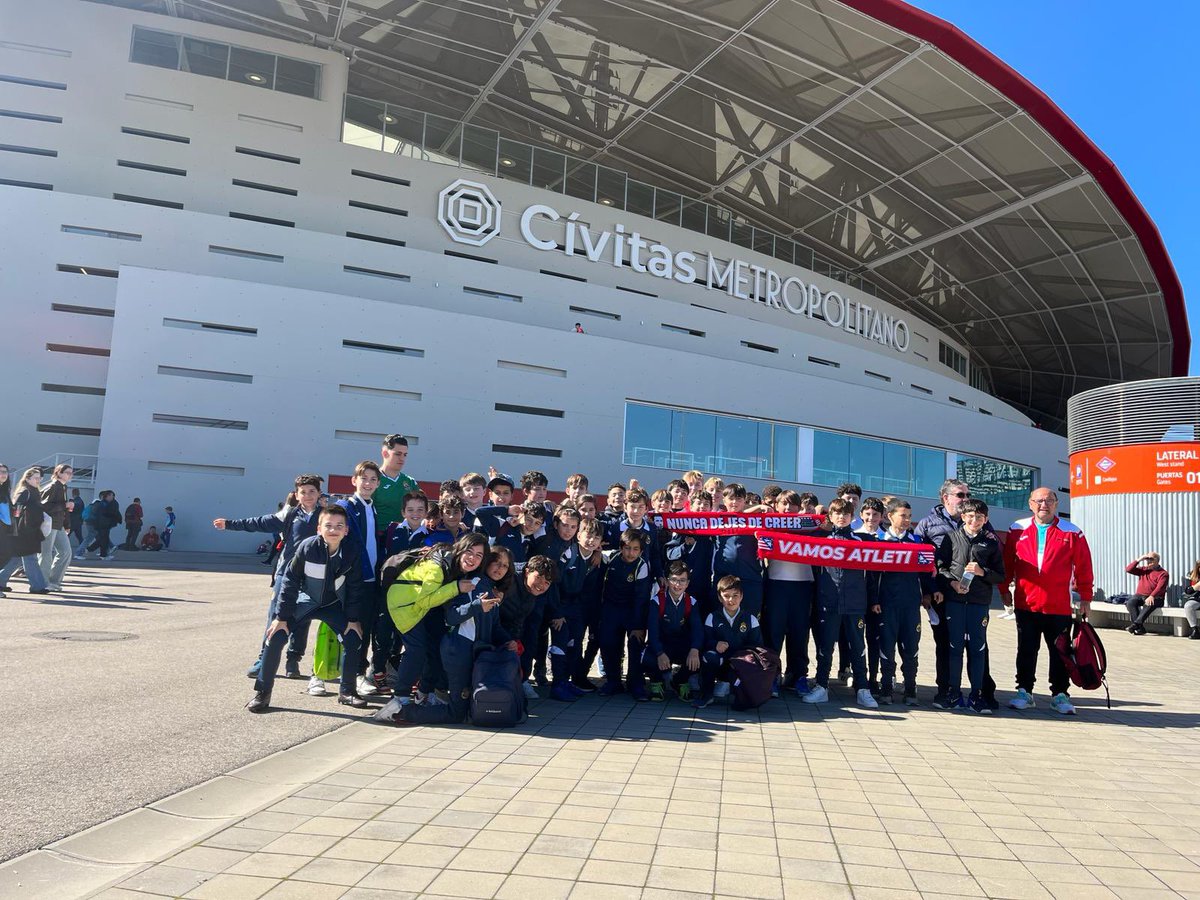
(1140, 608)
(941, 646)
(1034, 628)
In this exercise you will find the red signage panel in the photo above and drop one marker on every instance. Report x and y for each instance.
(1136, 469)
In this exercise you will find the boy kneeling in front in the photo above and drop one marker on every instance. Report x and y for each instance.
(727, 632)
(323, 581)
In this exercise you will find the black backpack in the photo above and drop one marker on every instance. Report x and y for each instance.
(497, 697)
(390, 571)
(754, 674)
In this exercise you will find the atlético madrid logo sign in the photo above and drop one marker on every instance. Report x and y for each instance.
(469, 212)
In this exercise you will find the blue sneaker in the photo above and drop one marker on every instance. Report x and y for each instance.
(578, 692)
(956, 702)
(611, 689)
(562, 693)
(703, 701)
(638, 693)
(802, 687)
(253, 671)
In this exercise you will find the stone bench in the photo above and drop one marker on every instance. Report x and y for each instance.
(1162, 621)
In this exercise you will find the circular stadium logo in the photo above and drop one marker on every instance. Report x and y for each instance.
(469, 212)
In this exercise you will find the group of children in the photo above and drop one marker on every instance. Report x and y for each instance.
(417, 587)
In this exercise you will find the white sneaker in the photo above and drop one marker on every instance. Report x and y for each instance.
(366, 686)
(316, 687)
(866, 701)
(1061, 703)
(721, 689)
(817, 695)
(1008, 613)
(530, 693)
(1023, 700)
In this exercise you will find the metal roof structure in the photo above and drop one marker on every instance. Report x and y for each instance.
(877, 134)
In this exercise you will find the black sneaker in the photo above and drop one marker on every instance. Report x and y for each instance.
(291, 669)
(352, 700)
(584, 684)
(941, 701)
(260, 703)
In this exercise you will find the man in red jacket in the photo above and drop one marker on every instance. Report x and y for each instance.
(1042, 557)
(1151, 592)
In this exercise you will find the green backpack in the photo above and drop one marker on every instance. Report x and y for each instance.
(327, 654)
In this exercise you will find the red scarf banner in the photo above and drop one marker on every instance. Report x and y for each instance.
(873, 556)
(734, 523)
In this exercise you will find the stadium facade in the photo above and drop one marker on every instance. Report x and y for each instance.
(807, 242)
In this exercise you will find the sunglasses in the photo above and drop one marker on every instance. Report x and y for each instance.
(961, 495)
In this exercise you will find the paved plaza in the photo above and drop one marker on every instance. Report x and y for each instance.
(605, 798)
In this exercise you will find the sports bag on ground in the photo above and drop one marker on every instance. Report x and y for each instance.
(327, 654)
(1082, 652)
(497, 698)
(754, 673)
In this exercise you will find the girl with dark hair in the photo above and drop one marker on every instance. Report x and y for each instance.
(1191, 599)
(414, 595)
(26, 538)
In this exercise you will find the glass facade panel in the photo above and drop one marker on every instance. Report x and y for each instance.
(549, 169)
(737, 447)
(155, 48)
(866, 464)
(640, 198)
(610, 187)
(363, 124)
(581, 180)
(929, 471)
(667, 206)
(647, 436)
(831, 457)
(293, 76)
(516, 161)
(405, 131)
(479, 148)
(694, 215)
(252, 67)
(998, 483)
(205, 57)
(693, 438)
(896, 477)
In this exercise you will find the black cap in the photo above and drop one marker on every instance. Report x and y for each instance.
(501, 479)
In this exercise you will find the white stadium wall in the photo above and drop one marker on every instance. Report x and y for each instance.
(121, 296)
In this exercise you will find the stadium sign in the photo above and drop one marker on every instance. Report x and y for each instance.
(470, 214)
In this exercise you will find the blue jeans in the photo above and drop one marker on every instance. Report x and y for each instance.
(33, 571)
(419, 646)
(900, 630)
(965, 623)
(335, 618)
(831, 624)
(788, 621)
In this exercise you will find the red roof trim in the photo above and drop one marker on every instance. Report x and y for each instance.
(982, 63)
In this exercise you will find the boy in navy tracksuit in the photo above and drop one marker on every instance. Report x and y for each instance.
(446, 524)
(587, 600)
(843, 596)
(737, 554)
(295, 524)
(624, 598)
(562, 641)
(727, 632)
(515, 528)
(696, 552)
(614, 507)
(900, 598)
(969, 566)
(637, 504)
(322, 581)
(360, 516)
(674, 636)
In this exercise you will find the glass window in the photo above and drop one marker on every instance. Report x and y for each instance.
(443, 140)
(737, 447)
(647, 435)
(640, 198)
(294, 76)
(777, 445)
(718, 223)
(667, 206)
(581, 180)
(549, 169)
(610, 187)
(364, 121)
(205, 57)
(998, 483)
(479, 148)
(694, 439)
(516, 161)
(404, 130)
(252, 67)
(831, 457)
(155, 48)
(929, 471)
(897, 473)
(866, 464)
(695, 215)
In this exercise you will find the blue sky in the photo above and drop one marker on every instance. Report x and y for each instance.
(1125, 73)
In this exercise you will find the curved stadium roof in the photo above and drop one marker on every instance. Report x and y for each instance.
(878, 135)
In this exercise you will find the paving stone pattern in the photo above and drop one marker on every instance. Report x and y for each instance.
(605, 798)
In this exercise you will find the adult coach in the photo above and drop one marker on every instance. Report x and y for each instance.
(1042, 557)
(393, 483)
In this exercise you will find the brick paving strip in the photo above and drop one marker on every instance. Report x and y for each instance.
(611, 799)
